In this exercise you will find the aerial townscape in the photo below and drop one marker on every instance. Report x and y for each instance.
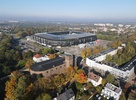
(67, 50)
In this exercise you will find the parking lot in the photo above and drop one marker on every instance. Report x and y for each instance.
(76, 50)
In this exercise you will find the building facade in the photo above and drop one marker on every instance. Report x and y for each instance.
(111, 91)
(94, 79)
(53, 66)
(124, 71)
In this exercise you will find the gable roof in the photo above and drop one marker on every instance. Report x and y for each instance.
(93, 76)
(45, 65)
(37, 56)
(66, 95)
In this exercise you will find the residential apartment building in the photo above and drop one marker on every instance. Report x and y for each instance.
(111, 91)
(123, 71)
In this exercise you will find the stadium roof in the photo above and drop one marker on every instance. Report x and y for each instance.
(64, 35)
(45, 65)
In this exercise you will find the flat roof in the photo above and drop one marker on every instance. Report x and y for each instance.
(64, 35)
(113, 87)
(101, 53)
(124, 67)
(128, 65)
(45, 65)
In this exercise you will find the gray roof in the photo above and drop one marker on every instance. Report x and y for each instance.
(113, 87)
(128, 65)
(124, 67)
(45, 65)
(101, 53)
(66, 95)
(64, 35)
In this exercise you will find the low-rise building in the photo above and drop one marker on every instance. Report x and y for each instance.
(94, 79)
(67, 95)
(39, 58)
(53, 66)
(111, 91)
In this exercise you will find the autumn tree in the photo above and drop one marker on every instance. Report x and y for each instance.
(103, 81)
(58, 80)
(70, 72)
(11, 85)
(10, 88)
(29, 62)
(80, 77)
(51, 56)
(18, 87)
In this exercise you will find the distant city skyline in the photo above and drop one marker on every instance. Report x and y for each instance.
(80, 10)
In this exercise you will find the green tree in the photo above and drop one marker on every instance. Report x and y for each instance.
(79, 86)
(21, 89)
(44, 96)
(110, 78)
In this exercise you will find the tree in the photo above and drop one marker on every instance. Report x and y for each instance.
(21, 87)
(51, 56)
(110, 78)
(80, 77)
(79, 86)
(70, 72)
(75, 68)
(11, 85)
(103, 81)
(44, 96)
(58, 80)
(19, 34)
(108, 58)
(10, 88)
(29, 63)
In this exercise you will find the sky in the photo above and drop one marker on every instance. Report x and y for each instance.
(69, 9)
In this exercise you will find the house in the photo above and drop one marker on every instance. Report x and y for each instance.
(39, 58)
(67, 95)
(94, 79)
(111, 91)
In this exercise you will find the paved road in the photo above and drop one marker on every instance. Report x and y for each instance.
(7, 76)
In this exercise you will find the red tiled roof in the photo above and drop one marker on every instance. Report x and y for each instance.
(37, 56)
(93, 76)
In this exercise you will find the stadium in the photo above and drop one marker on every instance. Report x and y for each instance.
(64, 38)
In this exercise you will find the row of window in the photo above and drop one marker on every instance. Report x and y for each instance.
(52, 69)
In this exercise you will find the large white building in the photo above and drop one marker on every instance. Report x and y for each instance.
(123, 71)
(111, 91)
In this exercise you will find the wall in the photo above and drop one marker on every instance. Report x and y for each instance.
(47, 73)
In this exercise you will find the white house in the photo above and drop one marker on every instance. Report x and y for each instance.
(94, 79)
(38, 58)
(111, 91)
